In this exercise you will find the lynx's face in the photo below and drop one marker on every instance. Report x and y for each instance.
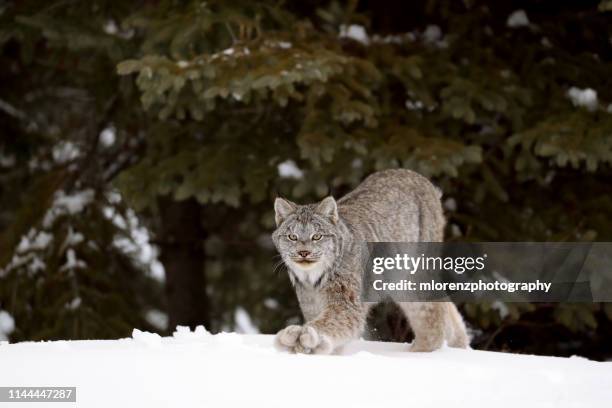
(306, 237)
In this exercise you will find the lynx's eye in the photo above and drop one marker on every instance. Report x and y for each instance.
(292, 237)
(316, 237)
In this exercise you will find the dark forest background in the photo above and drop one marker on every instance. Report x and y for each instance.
(142, 144)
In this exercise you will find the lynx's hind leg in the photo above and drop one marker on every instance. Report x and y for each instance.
(428, 323)
(433, 323)
(457, 334)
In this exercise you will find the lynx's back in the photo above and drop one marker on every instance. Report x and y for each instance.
(392, 206)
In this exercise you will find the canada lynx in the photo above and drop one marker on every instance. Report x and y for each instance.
(321, 243)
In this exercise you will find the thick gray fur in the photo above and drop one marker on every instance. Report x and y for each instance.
(389, 206)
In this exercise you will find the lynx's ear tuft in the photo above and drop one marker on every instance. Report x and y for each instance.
(282, 209)
(328, 208)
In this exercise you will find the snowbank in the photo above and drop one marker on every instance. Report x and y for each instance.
(197, 369)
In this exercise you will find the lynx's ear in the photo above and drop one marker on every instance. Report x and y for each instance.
(328, 208)
(282, 209)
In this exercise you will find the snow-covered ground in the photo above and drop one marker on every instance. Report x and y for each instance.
(197, 369)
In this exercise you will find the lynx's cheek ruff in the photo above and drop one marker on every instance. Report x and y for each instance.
(307, 272)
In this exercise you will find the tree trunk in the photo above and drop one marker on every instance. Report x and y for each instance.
(182, 254)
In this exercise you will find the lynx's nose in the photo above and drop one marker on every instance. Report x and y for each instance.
(304, 254)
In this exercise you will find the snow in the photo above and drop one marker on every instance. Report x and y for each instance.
(36, 265)
(183, 334)
(432, 34)
(74, 203)
(157, 319)
(74, 303)
(517, 19)
(27, 252)
(450, 204)
(42, 240)
(34, 241)
(11, 110)
(586, 98)
(65, 152)
(72, 262)
(501, 308)
(108, 136)
(244, 324)
(139, 241)
(147, 339)
(289, 169)
(414, 105)
(7, 325)
(72, 238)
(271, 303)
(67, 204)
(197, 369)
(137, 244)
(355, 32)
(284, 44)
(110, 27)
(228, 52)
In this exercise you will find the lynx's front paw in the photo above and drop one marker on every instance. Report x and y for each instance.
(305, 339)
(312, 341)
(287, 338)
